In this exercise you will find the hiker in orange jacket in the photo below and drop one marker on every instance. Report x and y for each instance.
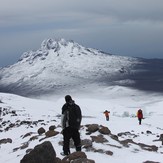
(107, 114)
(140, 116)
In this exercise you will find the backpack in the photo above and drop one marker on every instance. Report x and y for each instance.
(140, 114)
(72, 116)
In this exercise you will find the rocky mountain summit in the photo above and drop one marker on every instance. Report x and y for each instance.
(61, 64)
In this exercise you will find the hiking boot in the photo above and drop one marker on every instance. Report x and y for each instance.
(64, 154)
(78, 148)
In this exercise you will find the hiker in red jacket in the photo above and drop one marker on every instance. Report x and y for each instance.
(107, 114)
(140, 116)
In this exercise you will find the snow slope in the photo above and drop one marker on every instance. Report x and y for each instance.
(122, 103)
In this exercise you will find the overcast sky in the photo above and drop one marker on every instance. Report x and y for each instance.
(122, 27)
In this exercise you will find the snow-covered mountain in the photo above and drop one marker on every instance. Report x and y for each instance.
(63, 64)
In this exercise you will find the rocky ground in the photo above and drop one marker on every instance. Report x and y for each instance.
(43, 132)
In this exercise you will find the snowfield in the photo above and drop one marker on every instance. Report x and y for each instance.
(123, 104)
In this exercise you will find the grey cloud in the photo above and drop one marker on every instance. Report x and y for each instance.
(128, 27)
(37, 11)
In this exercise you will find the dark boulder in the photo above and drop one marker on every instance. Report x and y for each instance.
(41, 131)
(92, 128)
(99, 139)
(43, 153)
(51, 133)
(53, 127)
(104, 130)
(4, 141)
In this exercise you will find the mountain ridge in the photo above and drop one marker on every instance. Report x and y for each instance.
(65, 65)
(61, 63)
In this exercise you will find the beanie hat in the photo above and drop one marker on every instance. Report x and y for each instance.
(68, 98)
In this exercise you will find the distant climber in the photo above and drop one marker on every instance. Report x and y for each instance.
(140, 116)
(107, 114)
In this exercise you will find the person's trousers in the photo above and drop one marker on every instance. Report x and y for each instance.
(69, 133)
(107, 118)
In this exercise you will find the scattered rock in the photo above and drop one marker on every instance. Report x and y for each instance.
(45, 153)
(115, 137)
(33, 138)
(41, 131)
(53, 127)
(27, 134)
(104, 130)
(15, 149)
(126, 142)
(25, 145)
(99, 139)
(92, 128)
(25, 122)
(110, 153)
(41, 120)
(51, 133)
(148, 132)
(148, 147)
(4, 141)
(126, 134)
(143, 146)
(99, 150)
(77, 157)
(11, 125)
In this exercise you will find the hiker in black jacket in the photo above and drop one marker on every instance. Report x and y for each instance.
(70, 121)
